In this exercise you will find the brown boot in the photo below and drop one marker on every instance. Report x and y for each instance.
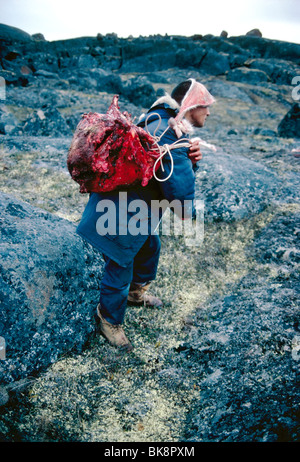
(113, 333)
(137, 296)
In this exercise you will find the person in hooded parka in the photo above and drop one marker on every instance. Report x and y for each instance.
(109, 219)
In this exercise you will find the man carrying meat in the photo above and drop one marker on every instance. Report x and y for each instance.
(131, 260)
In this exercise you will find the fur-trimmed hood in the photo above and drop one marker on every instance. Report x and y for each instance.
(197, 95)
(180, 127)
(168, 101)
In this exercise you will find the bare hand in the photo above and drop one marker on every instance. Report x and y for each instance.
(194, 152)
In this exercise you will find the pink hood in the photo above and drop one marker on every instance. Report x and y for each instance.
(197, 95)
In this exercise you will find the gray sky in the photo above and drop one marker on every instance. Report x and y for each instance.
(61, 19)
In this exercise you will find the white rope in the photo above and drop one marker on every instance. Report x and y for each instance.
(166, 148)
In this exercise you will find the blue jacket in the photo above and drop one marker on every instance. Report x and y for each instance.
(116, 211)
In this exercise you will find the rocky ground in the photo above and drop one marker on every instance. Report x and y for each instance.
(219, 362)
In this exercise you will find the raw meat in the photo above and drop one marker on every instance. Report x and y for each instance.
(109, 152)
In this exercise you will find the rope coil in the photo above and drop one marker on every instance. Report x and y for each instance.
(166, 148)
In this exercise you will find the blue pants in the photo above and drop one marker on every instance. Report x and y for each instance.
(116, 279)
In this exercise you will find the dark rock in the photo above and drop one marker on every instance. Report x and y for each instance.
(190, 58)
(238, 60)
(197, 37)
(15, 78)
(66, 63)
(224, 45)
(48, 97)
(85, 82)
(12, 55)
(110, 83)
(97, 51)
(7, 118)
(257, 324)
(215, 63)
(149, 54)
(48, 122)
(256, 46)
(4, 396)
(87, 61)
(160, 92)
(139, 91)
(228, 193)
(251, 76)
(38, 37)
(13, 34)
(47, 74)
(289, 127)
(224, 33)
(157, 78)
(263, 350)
(278, 244)
(283, 50)
(4, 50)
(225, 89)
(19, 72)
(264, 132)
(279, 70)
(48, 288)
(54, 150)
(9, 122)
(266, 48)
(212, 56)
(44, 61)
(81, 79)
(149, 63)
(254, 33)
(148, 46)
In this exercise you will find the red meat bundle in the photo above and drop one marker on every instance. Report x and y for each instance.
(109, 152)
